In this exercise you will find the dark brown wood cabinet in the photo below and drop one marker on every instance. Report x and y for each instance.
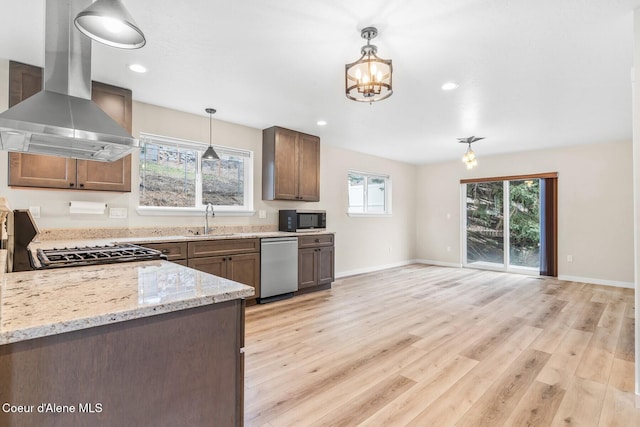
(233, 259)
(316, 266)
(35, 170)
(175, 251)
(290, 165)
(179, 368)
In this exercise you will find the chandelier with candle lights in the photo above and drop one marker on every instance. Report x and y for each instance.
(369, 78)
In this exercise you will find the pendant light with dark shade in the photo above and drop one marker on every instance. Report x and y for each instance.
(210, 154)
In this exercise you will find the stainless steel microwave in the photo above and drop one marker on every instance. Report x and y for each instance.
(295, 220)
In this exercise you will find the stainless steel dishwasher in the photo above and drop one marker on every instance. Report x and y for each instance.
(278, 268)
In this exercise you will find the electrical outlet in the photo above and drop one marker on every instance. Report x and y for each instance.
(117, 213)
(448, 248)
(35, 211)
(262, 214)
(569, 258)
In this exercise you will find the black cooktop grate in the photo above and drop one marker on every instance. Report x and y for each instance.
(91, 255)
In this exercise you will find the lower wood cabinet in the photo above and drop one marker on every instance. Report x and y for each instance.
(174, 251)
(316, 266)
(242, 268)
(233, 259)
(184, 368)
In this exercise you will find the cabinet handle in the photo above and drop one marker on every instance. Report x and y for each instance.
(71, 184)
(81, 185)
(224, 259)
(165, 251)
(317, 240)
(229, 258)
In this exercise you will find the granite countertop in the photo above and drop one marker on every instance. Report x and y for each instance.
(78, 241)
(39, 303)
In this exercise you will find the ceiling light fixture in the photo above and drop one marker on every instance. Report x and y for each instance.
(469, 157)
(138, 68)
(450, 86)
(109, 22)
(210, 153)
(321, 122)
(369, 78)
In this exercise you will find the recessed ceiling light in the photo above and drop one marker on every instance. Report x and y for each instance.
(321, 123)
(450, 86)
(138, 68)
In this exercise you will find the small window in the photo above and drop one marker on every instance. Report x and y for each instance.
(369, 194)
(173, 178)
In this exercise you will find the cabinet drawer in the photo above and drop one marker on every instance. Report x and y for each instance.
(222, 247)
(315, 240)
(173, 250)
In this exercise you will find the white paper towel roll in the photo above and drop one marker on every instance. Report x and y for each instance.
(94, 208)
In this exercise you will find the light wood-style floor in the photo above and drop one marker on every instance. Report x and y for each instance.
(436, 346)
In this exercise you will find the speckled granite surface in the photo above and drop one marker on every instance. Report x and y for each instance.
(39, 303)
(113, 233)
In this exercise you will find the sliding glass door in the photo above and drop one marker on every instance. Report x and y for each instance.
(502, 225)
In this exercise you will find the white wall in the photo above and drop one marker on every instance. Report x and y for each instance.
(595, 207)
(361, 243)
(635, 78)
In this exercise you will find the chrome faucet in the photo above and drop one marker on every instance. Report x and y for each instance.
(206, 217)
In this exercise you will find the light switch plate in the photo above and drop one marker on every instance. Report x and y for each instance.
(262, 214)
(117, 212)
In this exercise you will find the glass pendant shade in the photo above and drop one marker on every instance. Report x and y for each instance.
(369, 79)
(109, 22)
(210, 153)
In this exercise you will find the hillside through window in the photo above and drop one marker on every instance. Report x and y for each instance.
(172, 175)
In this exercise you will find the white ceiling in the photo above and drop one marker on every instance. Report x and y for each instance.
(532, 74)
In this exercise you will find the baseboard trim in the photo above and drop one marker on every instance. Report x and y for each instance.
(614, 283)
(439, 263)
(343, 274)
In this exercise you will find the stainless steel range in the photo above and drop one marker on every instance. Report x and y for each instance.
(91, 255)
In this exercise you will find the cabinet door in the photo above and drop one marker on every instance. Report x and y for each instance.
(307, 268)
(33, 170)
(308, 168)
(286, 172)
(173, 250)
(245, 269)
(215, 265)
(325, 265)
(111, 176)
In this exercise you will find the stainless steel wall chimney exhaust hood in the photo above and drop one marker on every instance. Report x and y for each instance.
(61, 120)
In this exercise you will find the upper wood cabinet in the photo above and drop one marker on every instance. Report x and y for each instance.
(290, 165)
(36, 170)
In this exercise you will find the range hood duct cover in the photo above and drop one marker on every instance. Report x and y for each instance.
(61, 120)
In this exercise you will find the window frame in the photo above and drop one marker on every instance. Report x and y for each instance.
(199, 147)
(387, 194)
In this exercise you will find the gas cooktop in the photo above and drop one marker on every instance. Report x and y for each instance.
(92, 255)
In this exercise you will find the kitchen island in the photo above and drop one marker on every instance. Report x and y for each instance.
(140, 343)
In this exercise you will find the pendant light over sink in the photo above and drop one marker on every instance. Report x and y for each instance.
(210, 154)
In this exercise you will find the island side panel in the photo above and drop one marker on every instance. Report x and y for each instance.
(179, 368)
